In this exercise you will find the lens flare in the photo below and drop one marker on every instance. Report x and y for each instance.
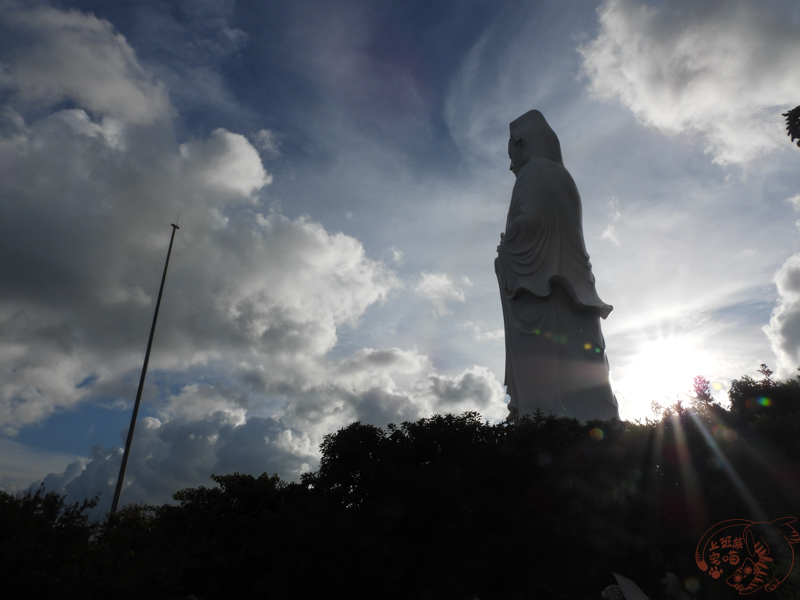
(720, 432)
(596, 434)
(753, 403)
(691, 584)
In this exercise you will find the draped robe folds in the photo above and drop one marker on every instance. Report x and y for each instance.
(555, 351)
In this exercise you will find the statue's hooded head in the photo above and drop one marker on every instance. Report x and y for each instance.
(532, 137)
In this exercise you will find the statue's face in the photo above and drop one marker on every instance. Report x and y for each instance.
(515, 154)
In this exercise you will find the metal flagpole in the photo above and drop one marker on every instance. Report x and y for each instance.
(122, 467)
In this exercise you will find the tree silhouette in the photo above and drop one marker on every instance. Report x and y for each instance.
(793, 124)
(45, 544)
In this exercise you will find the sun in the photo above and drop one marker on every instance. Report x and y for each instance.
(661, 370)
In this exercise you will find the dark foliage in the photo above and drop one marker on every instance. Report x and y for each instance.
(44, 544)
(751, 399)
(444, 507)
(793, 123)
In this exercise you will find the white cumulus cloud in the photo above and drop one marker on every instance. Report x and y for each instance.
(441, 289)
(226, 161)
(784, 325)
(724, 69)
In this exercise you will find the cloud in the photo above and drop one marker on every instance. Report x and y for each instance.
(226, 161)
(389, 386)
(269, 142)
(66, 55)
(474, 389)
(19, 464)
(481, 335)
(172, 455)
(106, 193)
(440, 289)
(610, 232)
(794, 201)
(722, 69)
(196, 401)
(783, 330)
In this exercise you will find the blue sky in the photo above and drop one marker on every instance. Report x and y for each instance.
(340, 174)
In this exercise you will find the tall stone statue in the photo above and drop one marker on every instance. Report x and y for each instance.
(555, 352)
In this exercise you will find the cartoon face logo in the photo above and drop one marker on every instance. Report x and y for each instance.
(747, 576)
(757, 555)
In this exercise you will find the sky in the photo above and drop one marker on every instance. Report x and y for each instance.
(339, 173)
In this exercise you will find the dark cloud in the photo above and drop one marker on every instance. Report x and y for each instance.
(52, 55)
(473, 389)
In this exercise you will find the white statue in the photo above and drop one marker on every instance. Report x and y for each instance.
(555, 352)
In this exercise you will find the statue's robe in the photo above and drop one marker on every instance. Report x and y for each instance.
(555, 351)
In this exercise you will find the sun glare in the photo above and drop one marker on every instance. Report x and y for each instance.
(660, 371)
